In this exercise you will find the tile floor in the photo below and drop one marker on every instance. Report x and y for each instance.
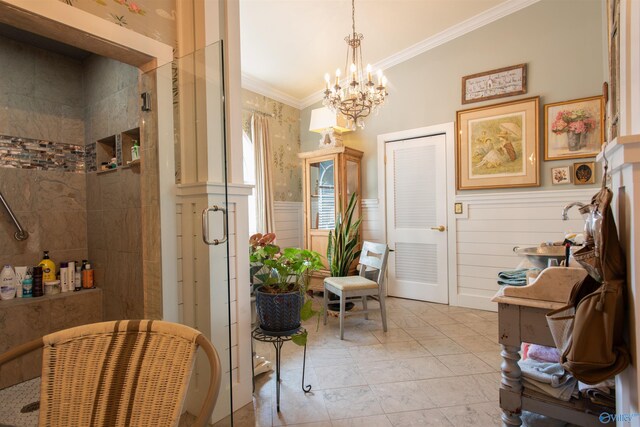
(437, 365)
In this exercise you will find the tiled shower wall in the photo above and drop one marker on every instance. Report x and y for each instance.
(41, 101)
(114, 214)
(53, 107)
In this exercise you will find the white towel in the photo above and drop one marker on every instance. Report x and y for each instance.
(548, 378)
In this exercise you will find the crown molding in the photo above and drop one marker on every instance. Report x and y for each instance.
(488, 16)
(451, 33)
(256, 85)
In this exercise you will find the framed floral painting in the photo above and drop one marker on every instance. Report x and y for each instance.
(574, 129)
(561, 175)
(498, 146)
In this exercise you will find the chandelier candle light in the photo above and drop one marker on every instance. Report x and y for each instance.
(361, 95)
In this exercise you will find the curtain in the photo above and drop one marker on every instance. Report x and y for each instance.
(265, 222)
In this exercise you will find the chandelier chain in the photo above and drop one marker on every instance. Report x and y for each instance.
(353, 17)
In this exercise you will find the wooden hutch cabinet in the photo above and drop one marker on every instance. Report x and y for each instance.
(331, 175)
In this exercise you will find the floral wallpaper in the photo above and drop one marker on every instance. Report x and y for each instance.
(284, 130)
(152, 18)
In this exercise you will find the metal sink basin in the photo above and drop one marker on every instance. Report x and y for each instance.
(539, 256)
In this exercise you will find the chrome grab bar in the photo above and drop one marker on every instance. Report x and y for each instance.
(21, 234)
(205, 225)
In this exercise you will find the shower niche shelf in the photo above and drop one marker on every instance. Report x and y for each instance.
(118, 146)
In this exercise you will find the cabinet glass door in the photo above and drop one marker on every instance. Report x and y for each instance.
(322, 209)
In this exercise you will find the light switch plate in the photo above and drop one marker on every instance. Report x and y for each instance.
(457, 208)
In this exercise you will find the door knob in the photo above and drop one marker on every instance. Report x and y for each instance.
(440, 228)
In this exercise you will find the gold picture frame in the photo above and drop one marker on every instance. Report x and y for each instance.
(574, 129)
(584, 173)
(498, 145)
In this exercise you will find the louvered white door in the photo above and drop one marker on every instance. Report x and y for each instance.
(417, 218)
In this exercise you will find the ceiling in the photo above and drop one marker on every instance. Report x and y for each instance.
(288, 45)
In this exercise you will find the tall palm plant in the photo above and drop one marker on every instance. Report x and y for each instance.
(342, 248)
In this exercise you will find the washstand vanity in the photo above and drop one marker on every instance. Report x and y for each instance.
(521, 318)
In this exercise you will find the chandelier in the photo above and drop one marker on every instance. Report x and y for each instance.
(360, 95)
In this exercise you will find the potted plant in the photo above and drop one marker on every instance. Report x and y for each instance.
(344, 243)
(283, 278)
(343, 247)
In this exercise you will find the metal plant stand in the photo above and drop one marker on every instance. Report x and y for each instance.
(278, 341)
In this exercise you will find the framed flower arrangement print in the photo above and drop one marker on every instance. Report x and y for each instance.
(574, 129)
(498, 146)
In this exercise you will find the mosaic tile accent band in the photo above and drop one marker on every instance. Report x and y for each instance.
(90, 163)
(25, 153)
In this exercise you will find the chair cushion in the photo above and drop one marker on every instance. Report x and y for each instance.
(351, 283)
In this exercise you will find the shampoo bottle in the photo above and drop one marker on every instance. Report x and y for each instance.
(27, 286)
(7, 283)
(38, 290)
(64, 277)
(78, 279)
(48, 268)
(87, 277)
(135, 151)
(71, 274)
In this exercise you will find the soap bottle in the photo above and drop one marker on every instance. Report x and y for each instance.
(21, 272)
(135, 151)
(48, 268)
(7, 283)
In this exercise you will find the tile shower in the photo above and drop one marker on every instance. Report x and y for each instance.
(53, 108)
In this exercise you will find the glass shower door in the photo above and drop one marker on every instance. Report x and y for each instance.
(188, 97)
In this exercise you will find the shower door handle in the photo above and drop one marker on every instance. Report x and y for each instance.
(205, 225)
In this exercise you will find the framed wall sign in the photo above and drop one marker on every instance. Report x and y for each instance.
(499, 83)
(498, 146)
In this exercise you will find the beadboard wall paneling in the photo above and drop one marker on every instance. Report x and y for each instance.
(372, 219)
(488, 230)
(493, 224)
(289, 224)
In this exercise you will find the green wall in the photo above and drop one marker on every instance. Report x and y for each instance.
(562, 42)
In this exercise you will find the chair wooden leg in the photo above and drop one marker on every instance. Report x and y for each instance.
(342, 311)
(383, 313)
(325, 304)
(364, 307)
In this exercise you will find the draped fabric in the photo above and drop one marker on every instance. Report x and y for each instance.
(264, 183)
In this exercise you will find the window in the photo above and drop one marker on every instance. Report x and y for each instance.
(249, 175)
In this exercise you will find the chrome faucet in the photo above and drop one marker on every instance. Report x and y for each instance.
(569, 206)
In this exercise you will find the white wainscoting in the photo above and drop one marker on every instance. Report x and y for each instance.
(372, 217)
(289, 223)
(487, 231)
(493, 224)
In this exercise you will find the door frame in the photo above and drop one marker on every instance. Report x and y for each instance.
(448, 130)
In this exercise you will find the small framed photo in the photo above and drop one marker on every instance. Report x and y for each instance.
(584, 173)
(561, 175)
(574, 129)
